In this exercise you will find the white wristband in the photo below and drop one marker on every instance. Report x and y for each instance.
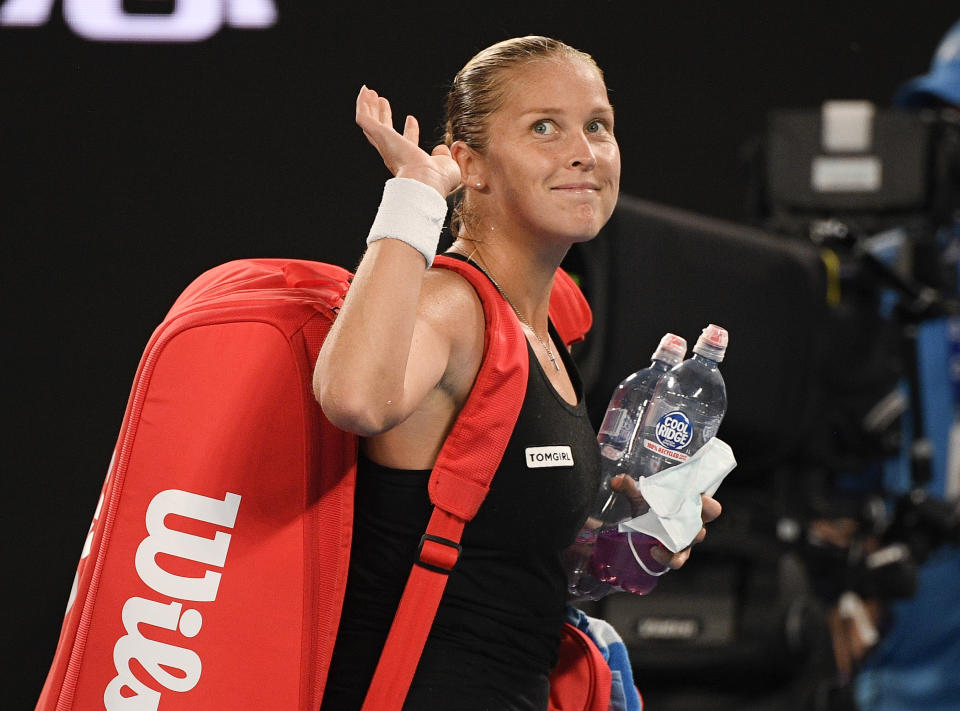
(411, 212)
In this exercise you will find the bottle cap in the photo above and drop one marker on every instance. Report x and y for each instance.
(712, 342)
(672, 349)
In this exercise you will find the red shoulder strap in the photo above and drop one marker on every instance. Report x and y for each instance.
(460, 480)
(569, 309)
(465, 468)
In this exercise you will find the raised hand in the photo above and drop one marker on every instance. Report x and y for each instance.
(402, 153)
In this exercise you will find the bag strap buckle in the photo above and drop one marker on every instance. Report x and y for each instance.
(440, 558)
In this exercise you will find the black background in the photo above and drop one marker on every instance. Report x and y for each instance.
(126, 170)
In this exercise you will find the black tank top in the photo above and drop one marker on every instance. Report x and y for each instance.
(497, 630)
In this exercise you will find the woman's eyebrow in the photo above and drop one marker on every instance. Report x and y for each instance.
(600, 109)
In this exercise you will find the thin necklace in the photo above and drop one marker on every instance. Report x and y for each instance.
(545, 344)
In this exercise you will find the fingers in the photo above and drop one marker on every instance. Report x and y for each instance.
(624, 484)
(386, 114)
(710, 508)
(671, 560)
(411, 130)
(366, 104)
(361, 97)
(676, 560)
(367, 116)
(373, 111)
(660, 554)
(710, 511)
(375, 118)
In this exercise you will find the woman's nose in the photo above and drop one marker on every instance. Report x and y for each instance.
(582, 153)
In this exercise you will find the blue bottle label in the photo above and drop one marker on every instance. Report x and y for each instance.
(674, 432)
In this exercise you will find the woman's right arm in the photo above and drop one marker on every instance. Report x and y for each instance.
(386, 351)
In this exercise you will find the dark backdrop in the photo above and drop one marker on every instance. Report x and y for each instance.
(128, 169)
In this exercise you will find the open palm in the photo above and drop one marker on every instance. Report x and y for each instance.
(401, 153)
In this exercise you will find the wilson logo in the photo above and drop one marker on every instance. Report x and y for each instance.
(159, 659)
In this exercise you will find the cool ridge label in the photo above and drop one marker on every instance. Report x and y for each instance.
(673, 431)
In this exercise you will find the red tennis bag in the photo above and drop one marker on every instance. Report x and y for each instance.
(214, 570)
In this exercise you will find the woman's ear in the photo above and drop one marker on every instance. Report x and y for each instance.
(471, 165)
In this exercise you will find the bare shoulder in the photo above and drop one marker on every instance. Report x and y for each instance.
(448, 299)
(450, 325)
(451, 306)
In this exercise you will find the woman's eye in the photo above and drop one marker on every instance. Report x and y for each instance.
(544, 127)
(595, 127)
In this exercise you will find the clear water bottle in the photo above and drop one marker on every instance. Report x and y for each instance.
(617, 439)
(684, 412)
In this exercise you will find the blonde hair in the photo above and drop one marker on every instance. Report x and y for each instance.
(479, 88)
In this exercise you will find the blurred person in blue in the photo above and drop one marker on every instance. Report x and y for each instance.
(915, 665)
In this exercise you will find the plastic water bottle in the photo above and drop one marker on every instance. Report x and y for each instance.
(688, 408)
(616, 439)
(685, 411)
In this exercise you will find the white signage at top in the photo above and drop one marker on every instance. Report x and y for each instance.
(106, 20)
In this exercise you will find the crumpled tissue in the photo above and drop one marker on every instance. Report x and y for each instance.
(674, 496)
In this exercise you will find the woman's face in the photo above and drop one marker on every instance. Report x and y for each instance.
(552, 164)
